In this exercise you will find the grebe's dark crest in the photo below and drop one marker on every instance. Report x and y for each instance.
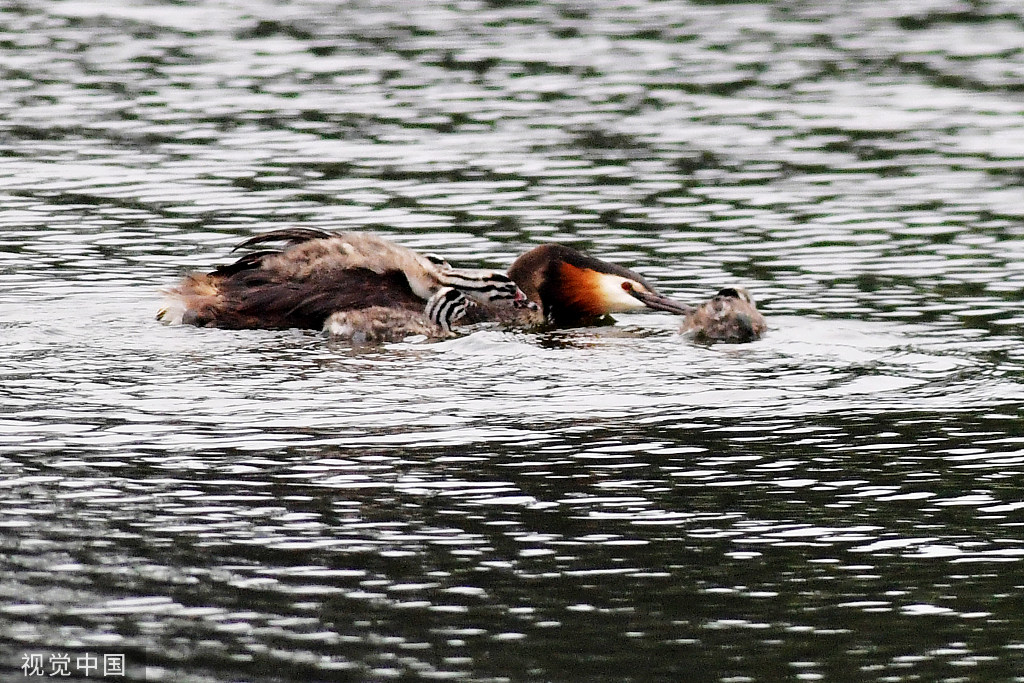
(353, 284)
(729, 316)
(575, 289)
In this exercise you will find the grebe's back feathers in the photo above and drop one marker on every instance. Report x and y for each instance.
(250, 261)
(247, 298)
(290, 236)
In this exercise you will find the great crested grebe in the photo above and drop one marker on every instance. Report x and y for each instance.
(363, 287)
(575, 289)
(351, 284)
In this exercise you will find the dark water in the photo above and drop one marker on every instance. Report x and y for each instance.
(840, 501)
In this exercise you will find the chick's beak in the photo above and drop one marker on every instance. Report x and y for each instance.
(657, 301)
(521, 301)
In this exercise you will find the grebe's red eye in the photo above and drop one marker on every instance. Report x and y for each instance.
(628, 286)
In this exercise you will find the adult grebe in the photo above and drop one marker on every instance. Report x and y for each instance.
(361, 286)
(352, 284)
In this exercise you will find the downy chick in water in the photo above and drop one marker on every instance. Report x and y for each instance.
(729, 316)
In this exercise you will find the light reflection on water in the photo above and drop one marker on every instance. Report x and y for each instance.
(600, 504)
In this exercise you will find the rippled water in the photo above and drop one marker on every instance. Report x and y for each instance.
(839, 501)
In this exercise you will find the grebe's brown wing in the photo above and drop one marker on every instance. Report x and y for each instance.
(252, 298)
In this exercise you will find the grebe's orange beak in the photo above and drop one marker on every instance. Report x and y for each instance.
(657, 301)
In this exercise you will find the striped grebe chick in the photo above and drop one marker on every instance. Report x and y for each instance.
(574, 289)
(352, 284)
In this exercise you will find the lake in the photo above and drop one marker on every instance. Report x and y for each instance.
(840, 500)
